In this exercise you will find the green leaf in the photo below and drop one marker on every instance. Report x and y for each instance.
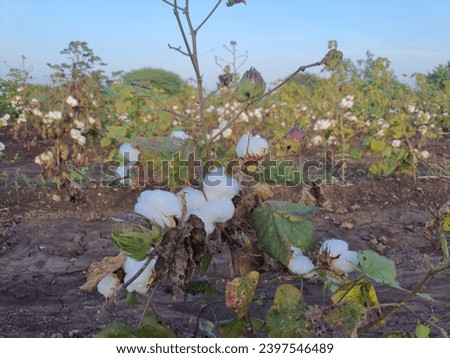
(356, 153)
(133, 299)
(422, 331)
(152, 328)
(378, 268)
(446, 224)
(201, 285)
(377, 145)
(117, 132)
(279, 225)
(117, 330)
(236, 328)
(134, 235)
(206, 260)
(285, 319)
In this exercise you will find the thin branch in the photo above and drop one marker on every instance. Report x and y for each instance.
(178, 49)
(429, 322)
(172, 5)
(256, 99)
(445, 265)
(138, 273)
(208, 16)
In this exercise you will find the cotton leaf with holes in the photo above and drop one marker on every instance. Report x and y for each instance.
(240, 291)
(285, 319)
(279, 225)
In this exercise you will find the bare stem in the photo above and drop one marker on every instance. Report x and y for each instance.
(208, 16)
(445, 265)
(138, 273)
(256, 99)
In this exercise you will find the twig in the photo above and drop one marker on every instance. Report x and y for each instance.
(208, 16)
(197, 324)
(445, 265)
(256, 99)
(429, 322)
(150, 256)
(178, 49)
(148, 303)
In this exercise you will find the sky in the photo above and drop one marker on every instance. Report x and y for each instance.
(279, 35)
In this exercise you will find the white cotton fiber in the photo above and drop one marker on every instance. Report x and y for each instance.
(160, 207)
(129, 153)
(218, 185)
(131, 266)
(256, 146)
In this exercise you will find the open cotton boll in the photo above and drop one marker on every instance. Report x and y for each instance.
(195, 199)
(131, 266)
(160, 207)
(129, 153)
(346, 262)
(215, 211)
(108, 285)
(253, 147)
(301, 265)
(179, 134)
(218, 185)
(333, 247)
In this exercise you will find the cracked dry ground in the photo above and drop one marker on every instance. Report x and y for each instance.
(46, 245)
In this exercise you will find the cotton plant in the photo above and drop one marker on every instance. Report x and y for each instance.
(217, 184)
(300, 264)
(141, 283)
(162, 208)
(251, 147)
(336, 254)
(215, 211)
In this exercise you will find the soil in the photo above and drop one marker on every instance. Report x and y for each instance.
(48, 238)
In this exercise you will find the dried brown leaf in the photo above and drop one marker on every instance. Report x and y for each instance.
(98, 270)
(179, 252)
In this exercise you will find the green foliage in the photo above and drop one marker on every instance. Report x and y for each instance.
(279, 225)
(168, 82)
(134, 235)
(150, 327)
(285, 319)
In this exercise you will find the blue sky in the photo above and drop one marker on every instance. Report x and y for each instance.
(279, 35)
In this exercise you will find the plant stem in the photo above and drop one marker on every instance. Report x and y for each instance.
(256, 99)
(445, 265)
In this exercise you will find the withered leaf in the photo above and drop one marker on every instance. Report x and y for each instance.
(181, 250)
(98, 270)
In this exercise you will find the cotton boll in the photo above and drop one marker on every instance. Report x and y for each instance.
(179, 134)
(301, 265)
(131, 267)
(218, 185)
(215, 211)
(129, 153)
(346, 262)
(253, 147)
(333, 247)
(195, 199)
(108, 285)
(160, 207)
(296, 251)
